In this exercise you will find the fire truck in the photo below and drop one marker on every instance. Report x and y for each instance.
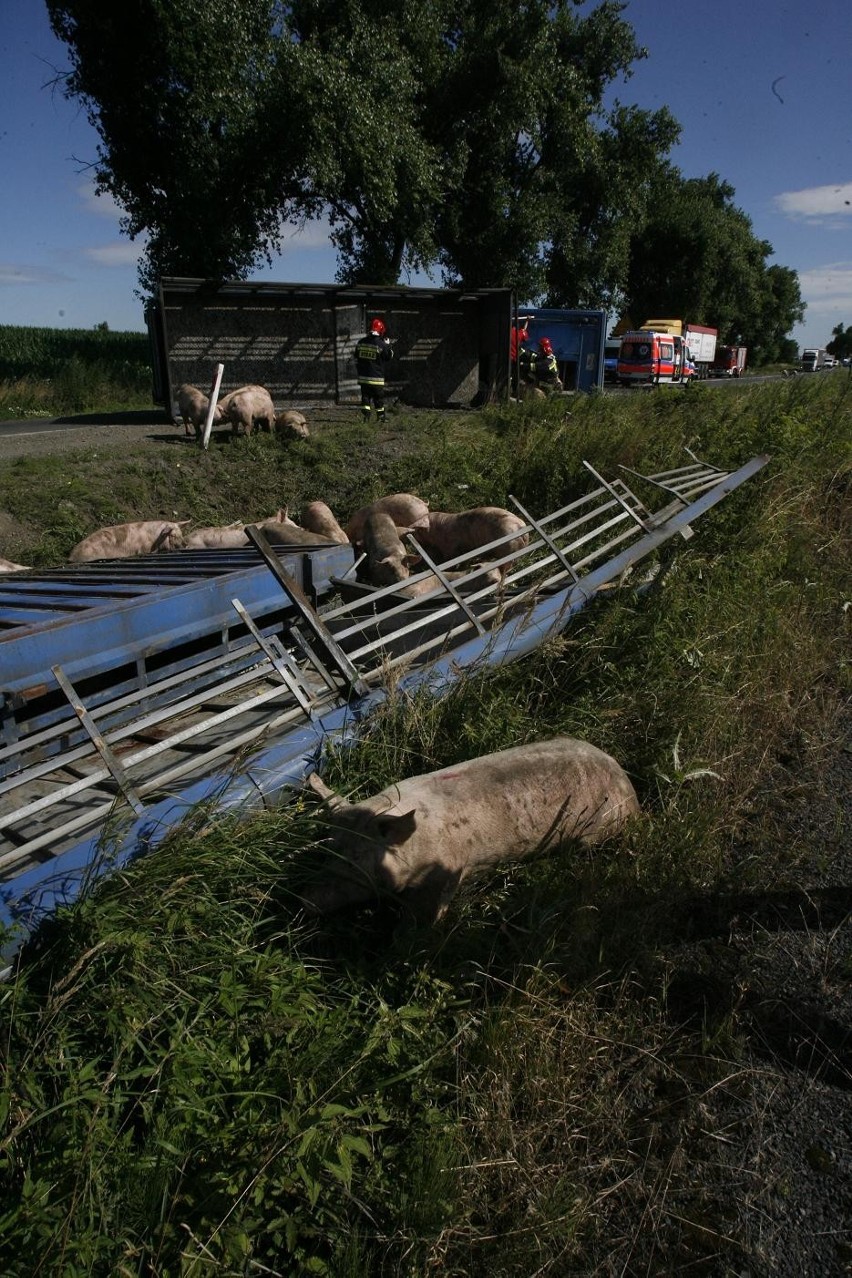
(666, 350)
(730, 361)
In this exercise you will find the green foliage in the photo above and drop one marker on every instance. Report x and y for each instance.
(840, 345)
(45, 353)
(197, 1081)
(695, 256)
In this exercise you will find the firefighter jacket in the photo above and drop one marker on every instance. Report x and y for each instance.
(546, 371)
(371, 354)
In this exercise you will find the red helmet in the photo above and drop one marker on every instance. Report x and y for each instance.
(378, 326)
(544, 346)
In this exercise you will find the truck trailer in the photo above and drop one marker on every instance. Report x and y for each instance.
(813, 358)
(666, 350)
(730, 361)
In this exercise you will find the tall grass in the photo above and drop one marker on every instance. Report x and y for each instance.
(49, 372)
(197, 1081)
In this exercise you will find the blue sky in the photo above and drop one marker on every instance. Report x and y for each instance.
(763, 91)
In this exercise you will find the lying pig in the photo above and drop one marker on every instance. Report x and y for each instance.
(445, 535)
(425, 585)
(406, 511)
(387, 559)
(290, 534)
(230, 536)
(193, 406)
(247, 408)
(292, 423)
(121, 541)
(8, 565)
(425, 835)
(317, 517)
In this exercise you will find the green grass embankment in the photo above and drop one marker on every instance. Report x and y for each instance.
(197, 1082)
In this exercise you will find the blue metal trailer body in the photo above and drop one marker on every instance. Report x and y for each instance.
(578, 338)
(112, 804)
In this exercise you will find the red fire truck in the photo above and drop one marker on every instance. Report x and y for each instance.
(730, 361)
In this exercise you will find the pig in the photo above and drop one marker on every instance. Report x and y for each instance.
(292, 423)
(227, 538)
(193, 406)
(423, 836)
(121, 541)
(387, 560)
(231, 536)
(291, 534)
(8, 565)
(445, 535)
(246, 408)
(407, 512)
(317, 517)
(425, 586)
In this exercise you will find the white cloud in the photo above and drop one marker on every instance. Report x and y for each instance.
(101, 205)
(123, 253)
(13, 274)
(827, 288)
(828, 205)
(309, 236)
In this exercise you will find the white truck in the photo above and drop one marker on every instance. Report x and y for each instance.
(813, 358)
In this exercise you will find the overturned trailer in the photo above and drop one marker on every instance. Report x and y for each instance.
(136, 691)
(450, 346)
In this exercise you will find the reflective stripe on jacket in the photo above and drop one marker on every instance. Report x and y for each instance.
(371, 354)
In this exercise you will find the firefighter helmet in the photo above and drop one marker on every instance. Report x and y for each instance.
(544, 346)
(378, 326)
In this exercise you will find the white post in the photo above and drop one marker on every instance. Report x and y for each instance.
(211, 408)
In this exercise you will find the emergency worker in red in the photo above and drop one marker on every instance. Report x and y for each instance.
(518, 355)
(372, 353)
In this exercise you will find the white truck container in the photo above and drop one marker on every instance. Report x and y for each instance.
(699, 340)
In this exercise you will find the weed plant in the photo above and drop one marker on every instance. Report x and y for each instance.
(46, 372)
(198, 1081)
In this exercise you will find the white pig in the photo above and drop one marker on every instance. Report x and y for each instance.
(317, 517)
(447, 535)
(248, 407)
(406, 511)
(121, 541)
(425, 835)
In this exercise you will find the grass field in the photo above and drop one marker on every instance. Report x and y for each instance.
(572, 1074)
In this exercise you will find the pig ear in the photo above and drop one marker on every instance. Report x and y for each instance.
(328, 796)
(396, 829)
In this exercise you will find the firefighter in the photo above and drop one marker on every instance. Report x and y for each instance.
(544, 368)
(518, 354)
(372, 353)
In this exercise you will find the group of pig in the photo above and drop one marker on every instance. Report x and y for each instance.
(375, 532)
(247, 408)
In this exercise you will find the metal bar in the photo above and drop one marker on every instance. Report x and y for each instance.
(110, 709)
(447, 584)
(309, 614)
(666, 488)
(98, 741)
(285, 673)
(545, 537)
(631, 512)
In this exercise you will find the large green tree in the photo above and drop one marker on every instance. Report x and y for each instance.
(695, 256)
(840, 345)
(190, 105)
(470, 134)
